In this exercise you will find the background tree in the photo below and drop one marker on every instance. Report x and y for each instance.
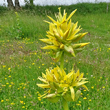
(10, 4)
(31, 2)
(14, 5)
(17, 5)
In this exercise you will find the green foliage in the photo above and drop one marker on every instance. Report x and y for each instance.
(22, 61)
(83, 8)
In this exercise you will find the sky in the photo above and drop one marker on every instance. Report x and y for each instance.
(55, 2)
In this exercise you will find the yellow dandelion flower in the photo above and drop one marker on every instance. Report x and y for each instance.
(12, 103)
(92, 87)
(23, 106)
(2, 100)
(90, 100)
(10, 85)
(4, 66)
(24, 96)
(9, 69)
(21, 102)
(85, 98)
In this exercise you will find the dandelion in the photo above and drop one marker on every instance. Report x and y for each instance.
(7, 100)
(10, 85)
(85, 98)
(88, 108)
(12, 103)
(89, 100)
(21, 102)
(79, 101)
(33, 63)
(23, 106)
(24, 96)
(103, 87)
(4, 66)
(2, 100)
(78, 104)
(92, 87)
(9, 69)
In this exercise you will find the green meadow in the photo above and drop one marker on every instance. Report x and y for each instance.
(22, 60)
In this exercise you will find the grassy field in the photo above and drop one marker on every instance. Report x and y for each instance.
(22, 61)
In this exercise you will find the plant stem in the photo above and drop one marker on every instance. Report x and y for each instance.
(65, 104)
(62, 61)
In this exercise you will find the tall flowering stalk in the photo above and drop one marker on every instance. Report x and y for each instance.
(62, 37)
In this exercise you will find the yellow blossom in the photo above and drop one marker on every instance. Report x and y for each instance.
(62, 35)
(85, 98)
(59, 84)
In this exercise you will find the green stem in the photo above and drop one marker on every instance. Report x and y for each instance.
(65, 104)
(62, 61)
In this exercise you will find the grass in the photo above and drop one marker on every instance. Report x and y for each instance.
(22, 61)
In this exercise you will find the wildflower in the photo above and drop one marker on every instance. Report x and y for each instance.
(24, 96)
(88, 108)
(10, 85)
(9, 69)
(85, 98)
(90, 100)
(92, 87)
(21, 102)
(7, 99)
(2, 100)
(59, 84)
(12, 103)
(62, 36)
(23, 106)
(4, 66)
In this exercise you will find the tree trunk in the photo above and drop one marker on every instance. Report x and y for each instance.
(17, 5)
(10, 4)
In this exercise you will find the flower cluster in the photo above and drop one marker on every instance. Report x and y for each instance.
(62, 35)
(59, 84)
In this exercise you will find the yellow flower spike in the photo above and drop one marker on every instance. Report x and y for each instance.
(61, 84)
(62, 35)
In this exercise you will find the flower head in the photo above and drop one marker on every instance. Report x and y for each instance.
(59, 84)
(62, 35)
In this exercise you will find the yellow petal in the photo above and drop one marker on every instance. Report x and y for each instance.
(48, 41)
(43, 80)
(79, 37)
(80, 83)
(50, 47)
(84, 44)
(43, 85)
(71, 15)
(52, 19)
(85, 87)
(72, 93)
